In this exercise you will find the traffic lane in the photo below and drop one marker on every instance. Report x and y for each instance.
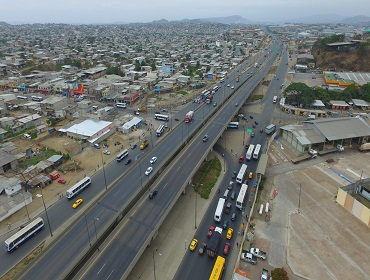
(201, 266)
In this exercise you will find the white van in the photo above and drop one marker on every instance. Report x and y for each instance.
(226, 193)
(27, 136)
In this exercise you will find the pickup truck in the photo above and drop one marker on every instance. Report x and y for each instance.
(247, 257)
(258, 253)
(265, 274)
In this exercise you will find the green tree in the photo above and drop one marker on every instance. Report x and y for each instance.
(299, 94)
(279, 274)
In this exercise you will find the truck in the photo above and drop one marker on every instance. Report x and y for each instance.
(237, 79)
(270, 129)
(189, 116)
(214, 242)
(265, 274)
(339, 148)
(258, 253)
(209, 99)
(248, 257)
(141, 109)
(311, 154)
(256, 65)
(364, 147)
(144, 144)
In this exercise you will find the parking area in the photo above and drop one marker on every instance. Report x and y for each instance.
(306, 228)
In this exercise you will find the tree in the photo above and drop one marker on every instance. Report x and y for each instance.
(279, 274)
(299, 94)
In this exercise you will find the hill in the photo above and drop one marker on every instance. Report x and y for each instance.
(350, 60)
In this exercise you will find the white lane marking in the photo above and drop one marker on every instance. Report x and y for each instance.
(165, 186)
(101, 268)
(110, 274)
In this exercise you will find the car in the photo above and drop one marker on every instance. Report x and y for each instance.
(148, 171)
(128, 161)
(136, 113)
(229, 233)
(252, 134)
(153, 194)
(226, 248)
(62, 181)
(165, 126)
(251, 117)
(193, 244)
(226, 223)
(233, 217)
(133, 146)
(202, 249)
(261, 130)
(153, 160)
(228, 85)
(205, 138)
(157, 112)
(210, 231)
(255, 122)
(177, 119)
(231, 185)
(247, 145)
(232, 196)
(214, 104)
(241, 158)
(254, 126)
(96, 145)
(164, 111)
(234, 174)
(77, 203)
(228, 208)
(250, 176)
(106, 152)
(232, 87)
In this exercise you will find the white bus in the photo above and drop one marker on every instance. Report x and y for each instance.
(37, 98)
(242, 173)
(275, 99)
(23, 234)
(121, 105)
(256, 152)
(122, 155)
(249, 154)
(219, 209)
(233, 125)
(161, 117)
(215, 88)
(160, 130)
(22, 97)
(241, 196)
(79, 187)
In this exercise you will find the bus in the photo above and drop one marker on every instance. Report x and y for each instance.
(215, 88)
(219, 209)
(242, 173)
(161, 117)
(233, 125)
(22, 97)
(218, 269)
(249, 154)
(79, 187)
(37, 98)
(241, 196)
(122, 155)
(121, 105)
(160, 130)
(23, 234)
(256, 152)
(270, 129)
(274, 100)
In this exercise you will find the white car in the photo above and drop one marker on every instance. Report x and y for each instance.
(153, 160)
(228, 85)
(106, 152)
(148, 171)
(232, 87)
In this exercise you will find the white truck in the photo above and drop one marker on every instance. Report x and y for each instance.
(248, 257)
(258, 253)
(265, 274)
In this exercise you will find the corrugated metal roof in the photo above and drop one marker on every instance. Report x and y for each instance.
(360, 102)
(305, 135)
(341, 128)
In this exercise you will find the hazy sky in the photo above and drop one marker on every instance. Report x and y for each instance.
(107, 11)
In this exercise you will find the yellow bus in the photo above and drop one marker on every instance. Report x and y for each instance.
(218, 269)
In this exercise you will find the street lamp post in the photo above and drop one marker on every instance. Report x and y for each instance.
(87, 229)
(141, 179)
(96, 234)
(155, 276)
(299, 199)
(102, 162)
(46, 213)
(25, 204)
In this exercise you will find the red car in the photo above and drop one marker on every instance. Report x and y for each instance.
(210, 231)
(247, 145)
(62, 181)
(226, 248)
(261, 130)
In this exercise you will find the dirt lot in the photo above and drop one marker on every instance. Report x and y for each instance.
(307, 228)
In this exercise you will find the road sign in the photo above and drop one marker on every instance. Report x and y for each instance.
(249, 130)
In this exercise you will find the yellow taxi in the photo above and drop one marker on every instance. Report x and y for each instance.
(77, 203)
(250, 176)
(193, 244)
(229, 233)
